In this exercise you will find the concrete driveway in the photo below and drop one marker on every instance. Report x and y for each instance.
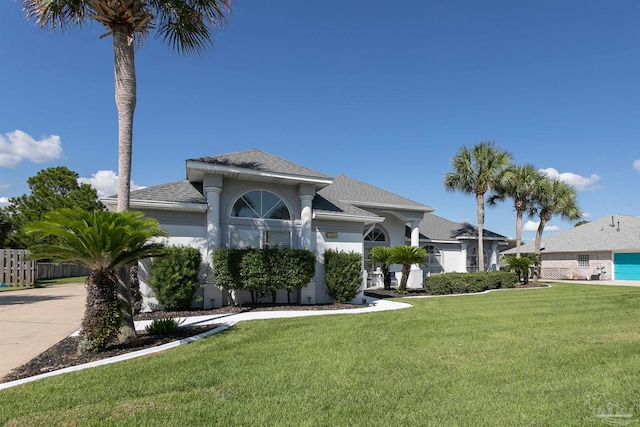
(33, 320)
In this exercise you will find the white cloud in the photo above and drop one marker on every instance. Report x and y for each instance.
(17, 145)
(636, 165)
(533, 226)
(4, 201)
(578, 182)
(105, 183)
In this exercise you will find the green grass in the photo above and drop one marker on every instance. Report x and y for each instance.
(46, 282)
(511, 358)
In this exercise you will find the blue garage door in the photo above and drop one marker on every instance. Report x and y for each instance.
(626, 266)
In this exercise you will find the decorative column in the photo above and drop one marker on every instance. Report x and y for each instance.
(212, 295)
(415, 277)
(494, 257)
(306, 213)
(463, 254)
(306, 194)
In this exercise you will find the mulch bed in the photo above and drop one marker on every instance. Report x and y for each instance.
(64, 353)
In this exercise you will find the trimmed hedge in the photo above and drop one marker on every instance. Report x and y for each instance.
(343, 274)
(460, 283)
(262, 271)
(174, 276)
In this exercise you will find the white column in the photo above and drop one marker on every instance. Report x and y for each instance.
(415, 277)
(212, 294)
(308, 293)
(494, 257)
(463, 254)
(306, 213)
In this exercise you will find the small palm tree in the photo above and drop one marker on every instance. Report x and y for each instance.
(477, 171)
(102, 241)
(381, 255)
(407, 256)
(186, 25)
(524, 183)
(553, 197)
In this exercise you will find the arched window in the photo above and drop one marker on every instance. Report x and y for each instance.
(472, 260)
(268, 228)
(433, 260)
(375, 235)
(260, 204)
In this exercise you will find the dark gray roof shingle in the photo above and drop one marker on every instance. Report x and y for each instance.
(434, 227)
(356, 192)
(259, 160)
(173, 192)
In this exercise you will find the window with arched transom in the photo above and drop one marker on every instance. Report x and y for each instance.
(375, 234)
(472, 260)
(270, 224)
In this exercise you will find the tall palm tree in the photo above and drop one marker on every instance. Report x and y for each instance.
(103, 242)
(553, 197)
(477, 171)
(407, 256)
(524, 183)
(186, 25)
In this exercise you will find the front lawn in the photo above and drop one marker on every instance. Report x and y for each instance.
(510, 358)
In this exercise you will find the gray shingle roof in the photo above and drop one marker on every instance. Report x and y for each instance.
(259, 160)
(434, 227)
(331, 206)
(359, 193)
(622, 233)
(174, 192)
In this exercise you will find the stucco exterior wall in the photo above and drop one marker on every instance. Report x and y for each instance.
(349, 239)
(185, 229)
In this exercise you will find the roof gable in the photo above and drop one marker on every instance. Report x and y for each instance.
(254, 164)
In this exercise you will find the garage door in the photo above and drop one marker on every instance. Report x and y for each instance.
(626, 266)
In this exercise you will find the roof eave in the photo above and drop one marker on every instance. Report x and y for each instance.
(158, 204)
(346, 217)
(196, 171)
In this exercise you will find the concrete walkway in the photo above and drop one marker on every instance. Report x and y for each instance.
(33, 320)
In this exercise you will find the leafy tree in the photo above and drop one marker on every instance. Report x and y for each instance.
(381, 255)
(477, 171)
(51, 188)
(102, 241)
(582, 222)
(186, 25)
(407, 256)
(523, 184)
(553, 197)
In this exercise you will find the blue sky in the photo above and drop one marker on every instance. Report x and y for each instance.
(385, 92)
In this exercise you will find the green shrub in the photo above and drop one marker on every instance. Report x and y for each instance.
(174, 277)
(343, 274)
(164, 326)
(262, 271)
(455, 283)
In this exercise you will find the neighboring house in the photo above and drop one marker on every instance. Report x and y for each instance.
(607, 248)
(254, 199)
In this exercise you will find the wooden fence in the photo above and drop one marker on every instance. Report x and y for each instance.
(49, 270)
(15, 269)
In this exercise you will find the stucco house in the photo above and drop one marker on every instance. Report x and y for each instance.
(253, 199)
(607, 248)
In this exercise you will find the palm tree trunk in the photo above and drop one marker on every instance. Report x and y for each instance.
(125, 93)
(101, 320)
(125, 88)
(127, 329)
(518, 232)
(480, 206)
(536, 247)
